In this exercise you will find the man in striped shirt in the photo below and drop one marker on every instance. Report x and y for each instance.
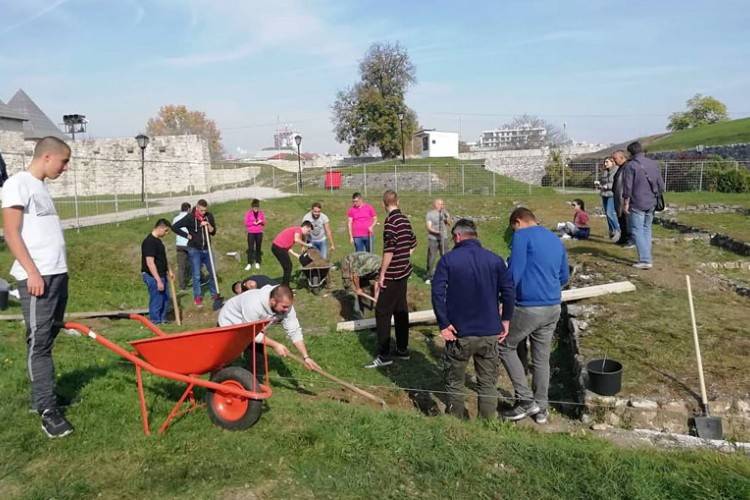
(398, 244)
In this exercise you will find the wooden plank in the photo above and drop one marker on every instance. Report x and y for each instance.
(588, 292)
(79, 315)
(428, 316)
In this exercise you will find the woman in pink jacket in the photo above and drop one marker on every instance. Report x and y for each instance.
(255, 221)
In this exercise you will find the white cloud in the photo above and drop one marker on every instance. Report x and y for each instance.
(33, 13)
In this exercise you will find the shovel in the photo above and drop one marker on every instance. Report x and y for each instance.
(704, 426)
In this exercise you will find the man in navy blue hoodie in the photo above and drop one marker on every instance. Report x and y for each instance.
(539, 266)
(468, 287)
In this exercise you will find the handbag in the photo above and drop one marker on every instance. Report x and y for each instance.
(660, 205)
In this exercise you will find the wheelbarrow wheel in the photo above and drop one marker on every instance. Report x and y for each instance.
(315, 285)
(232, 412)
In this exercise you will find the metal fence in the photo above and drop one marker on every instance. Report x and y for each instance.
(104, 190)
(679, 176)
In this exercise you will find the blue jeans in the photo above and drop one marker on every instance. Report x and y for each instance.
(640, 230)
(198, 258)
(158, 302)
(608, 202)
(322, 247)
(362, 243)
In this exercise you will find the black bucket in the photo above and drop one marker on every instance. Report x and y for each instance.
(604, 376)
(305, 259)
(3, 300)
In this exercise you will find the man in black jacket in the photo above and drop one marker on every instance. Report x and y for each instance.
(197, 222)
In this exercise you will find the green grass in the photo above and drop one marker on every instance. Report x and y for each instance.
(729, 132)
(315, 440)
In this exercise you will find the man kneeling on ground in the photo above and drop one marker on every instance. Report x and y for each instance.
(270, 302)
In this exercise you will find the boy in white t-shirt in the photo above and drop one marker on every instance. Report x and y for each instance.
(35, 238)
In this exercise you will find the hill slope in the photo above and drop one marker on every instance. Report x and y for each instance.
(729, 132)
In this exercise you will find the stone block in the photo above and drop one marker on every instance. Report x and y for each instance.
(643, 404)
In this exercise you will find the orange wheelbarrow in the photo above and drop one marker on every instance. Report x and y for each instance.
(234, 396)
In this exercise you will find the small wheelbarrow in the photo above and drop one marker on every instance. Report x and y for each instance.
(234, 396)
(316, 276)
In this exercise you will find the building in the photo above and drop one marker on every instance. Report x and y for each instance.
(513, 138)
(437, 144)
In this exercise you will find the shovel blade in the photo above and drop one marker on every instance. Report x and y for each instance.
(707, 427)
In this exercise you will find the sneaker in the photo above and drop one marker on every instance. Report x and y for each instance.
(218, 303)
(248, 267)
(257, 266)
(541, 418)
(54, 424)
(198, 302)
(566, 236)
(427, 281)
(402, 354)
(615, 236)
(643, 265)
(628, 246)
(519, 412)
(378, 362)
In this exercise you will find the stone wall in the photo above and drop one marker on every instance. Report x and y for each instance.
(739, 152)
(525, 165)
(173, 164)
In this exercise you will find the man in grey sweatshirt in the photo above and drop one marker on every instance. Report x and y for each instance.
(641, 184)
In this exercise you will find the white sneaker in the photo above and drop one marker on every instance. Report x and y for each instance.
(248, 267)
(257, 266)
(566, 236)
(643, 265)
(560, 225)
(427, 282)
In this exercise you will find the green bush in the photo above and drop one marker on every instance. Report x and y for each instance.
(728, 178)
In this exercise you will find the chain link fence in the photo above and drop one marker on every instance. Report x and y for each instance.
(98, 190)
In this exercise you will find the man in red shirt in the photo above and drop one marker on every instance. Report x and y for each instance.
(283, 243)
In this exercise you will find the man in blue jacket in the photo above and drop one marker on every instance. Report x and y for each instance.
(468, 287)
(539, 266)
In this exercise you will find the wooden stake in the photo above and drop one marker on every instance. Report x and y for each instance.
(343, 383)
(173, 291)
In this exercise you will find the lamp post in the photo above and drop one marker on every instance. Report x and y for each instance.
(142, 143)
(401, 126)
(298, 140)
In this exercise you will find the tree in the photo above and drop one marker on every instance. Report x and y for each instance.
(701, 110)
(178, 120)
(366, 114)
(553, 135)
(556, 169)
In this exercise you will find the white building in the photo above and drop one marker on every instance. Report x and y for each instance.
(438, 144)
(512, 138)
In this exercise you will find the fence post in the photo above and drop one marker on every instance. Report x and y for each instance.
(395, 177)
(429, 179)
(564, 166)
(364, 175)
(494, 191)
(596, 171)
(463, 182)
(330, 177)
(117, 208)
(700, 181)
(666, 176)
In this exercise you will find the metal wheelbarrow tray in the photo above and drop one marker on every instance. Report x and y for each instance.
(316, 277)
(234, 396)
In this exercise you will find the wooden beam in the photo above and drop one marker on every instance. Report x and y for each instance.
(428, 316)
(79, 315)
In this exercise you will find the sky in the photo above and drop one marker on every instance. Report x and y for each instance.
(608, 70)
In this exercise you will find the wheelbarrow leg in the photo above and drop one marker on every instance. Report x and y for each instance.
(142, 398)
(176, 410)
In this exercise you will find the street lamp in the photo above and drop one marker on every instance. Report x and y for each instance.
(401, 126)
(298, 140)
(142, 143)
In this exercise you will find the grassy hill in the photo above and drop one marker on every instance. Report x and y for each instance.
(729, 132)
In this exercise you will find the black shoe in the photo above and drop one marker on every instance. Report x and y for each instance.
(519, 412)
(404, 355)
(54, 424)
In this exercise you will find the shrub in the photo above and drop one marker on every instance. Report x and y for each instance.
(727, 178)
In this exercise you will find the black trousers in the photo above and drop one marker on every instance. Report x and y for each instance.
(254, 241)
(392, 303)
(286, 263)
